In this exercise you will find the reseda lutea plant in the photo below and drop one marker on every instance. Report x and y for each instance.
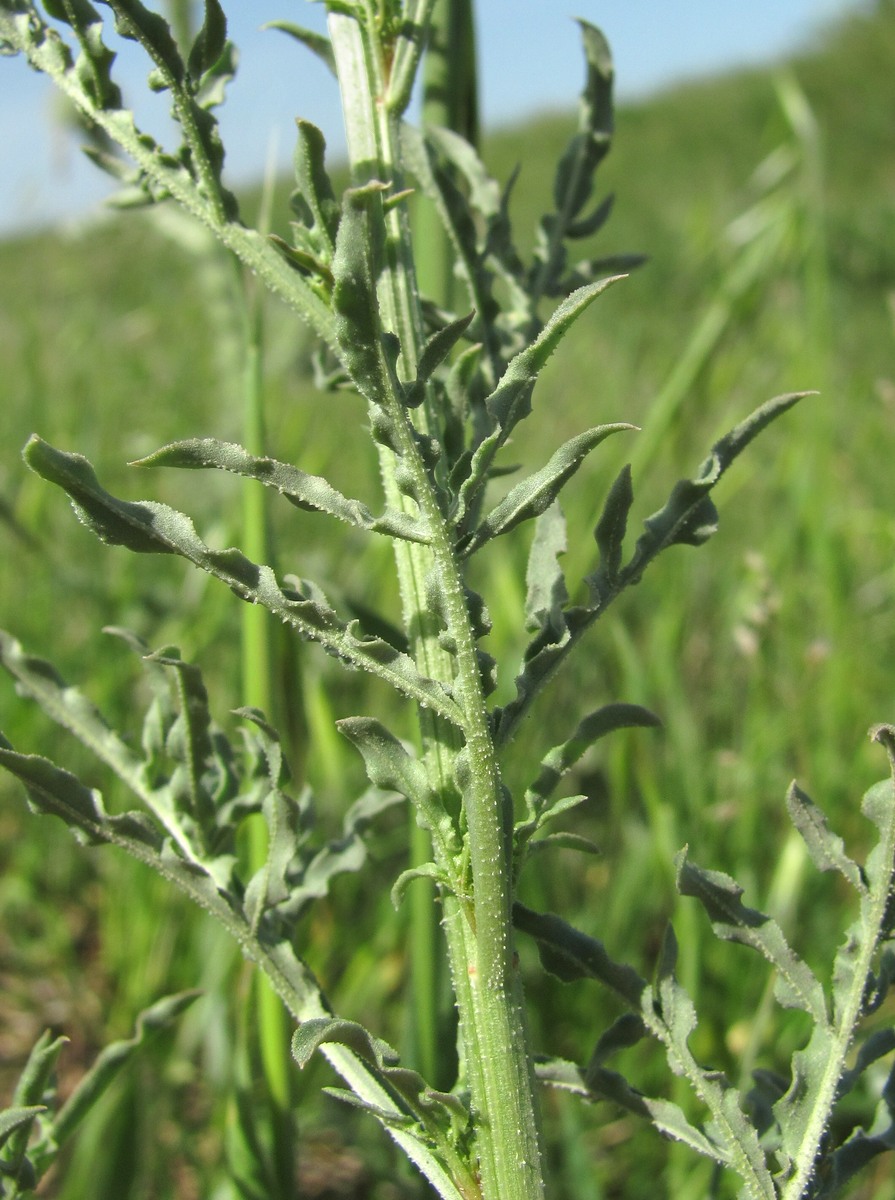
(444, 391)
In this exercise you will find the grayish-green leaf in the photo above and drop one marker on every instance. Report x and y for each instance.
(163, 174)
(52, 790)
(597, 1083)
(689, 516)
(39, 679)
(686, 517)
(610, 532)
(388, 763)
(533, 496)
(310, 492)
(390, 766)
(669, 1014)
(315, 189)
(152, 528)
(574, 179)
(346, 853)
(510, 401)
(428, 159)
(210, 41)
(427, 870)
(359, 250)
(570, 954)
(590, 729)
(431, 1117)
(546, 593)
(825, 847)
(433, 354)
(796, 985)
(564, 841)
(312, 1034)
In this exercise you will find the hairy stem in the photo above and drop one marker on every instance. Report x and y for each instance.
(478, 925)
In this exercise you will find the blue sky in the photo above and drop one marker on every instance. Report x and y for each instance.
(529, 57)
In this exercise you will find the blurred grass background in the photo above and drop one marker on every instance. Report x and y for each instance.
(765, 202)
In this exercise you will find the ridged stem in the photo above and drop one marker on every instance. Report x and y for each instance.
(478, 918)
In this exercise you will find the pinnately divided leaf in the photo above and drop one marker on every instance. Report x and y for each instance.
(689, 517)
(590, 729)
(433, 1120)
(670, 1015)
(570, 954)
(595, 1082)
(796, 986)
(152, 528)
(820, 1071)
(825, 847)
(69, 708)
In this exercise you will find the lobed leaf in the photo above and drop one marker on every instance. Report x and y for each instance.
(429, 870)
(435, 1120)
(689, 517)
(541, 815)
(431, 158)
(543, 656)
(574, 179)
(826, 848)
(93, 67)
(315, 187)
(273, 884)
(388, 763)
(69, 708)
(669, 1014)
(189, 744)
(346, 853)
(358, 253)
(139, 24)
(564, 840)
(53, 790)
(796, 985)
(33, 1088)
(153, 528)
(437, 348)
(820, 1071)
(598, 1083)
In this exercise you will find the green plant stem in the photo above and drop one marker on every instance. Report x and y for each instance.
(478, 915)
(449, 101)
